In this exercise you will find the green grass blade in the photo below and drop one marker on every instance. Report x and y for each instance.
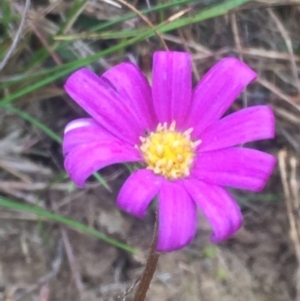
(33, 121)
(13, 205)
(205, 14)
(48, 132)
(42, 54)
(60, 71)
(73, 13)
(7, 19)
(146, 11)
(208, 13)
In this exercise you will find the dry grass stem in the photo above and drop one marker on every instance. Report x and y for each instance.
(289, 45)
(146, 20)
(290, 181)
(16, 37)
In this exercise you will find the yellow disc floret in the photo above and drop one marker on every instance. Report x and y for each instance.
(168, 152)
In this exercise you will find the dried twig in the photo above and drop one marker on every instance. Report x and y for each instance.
(292, 201)
(278, 92)
(289, 45)
(146, 20)
(238, 44)
(56, 265)
(72, 262)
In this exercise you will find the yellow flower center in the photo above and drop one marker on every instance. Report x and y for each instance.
(168, 152)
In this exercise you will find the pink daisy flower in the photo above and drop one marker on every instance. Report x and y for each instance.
(188, 152)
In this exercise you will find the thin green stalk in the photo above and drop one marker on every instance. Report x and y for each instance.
(6, 203)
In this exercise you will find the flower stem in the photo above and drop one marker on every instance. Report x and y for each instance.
(149, 270)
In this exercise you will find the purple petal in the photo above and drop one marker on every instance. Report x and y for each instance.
(84, 131)
(216, 91)
(131, 83)
(99, 99)
(235, 167)
(246, 125)
(177, 217)
(138, 191)
(217, 205)
(87, 158)
(172, 86)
